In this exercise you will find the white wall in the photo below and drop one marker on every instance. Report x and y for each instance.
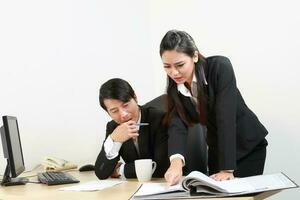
(261, 38)
(55, 54)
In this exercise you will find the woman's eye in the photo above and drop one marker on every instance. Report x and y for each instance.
(166, 66)
(180, 65)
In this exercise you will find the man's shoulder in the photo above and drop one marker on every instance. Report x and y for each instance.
(152, 112)
(154, 117)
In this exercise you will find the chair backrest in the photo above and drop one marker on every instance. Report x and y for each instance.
(196, 159)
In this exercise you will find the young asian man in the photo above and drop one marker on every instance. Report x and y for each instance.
(135, 132)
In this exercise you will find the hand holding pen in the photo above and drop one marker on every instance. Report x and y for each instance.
(125, 131)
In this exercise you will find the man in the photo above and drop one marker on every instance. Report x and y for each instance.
(135, 132)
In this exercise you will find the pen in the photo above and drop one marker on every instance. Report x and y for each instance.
(142, 124)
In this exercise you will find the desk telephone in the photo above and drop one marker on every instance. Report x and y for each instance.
(51, 163)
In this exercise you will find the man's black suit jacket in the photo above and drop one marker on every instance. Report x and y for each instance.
(152, 142)
(233, 130)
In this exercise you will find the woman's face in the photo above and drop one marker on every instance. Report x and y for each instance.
(179, 66)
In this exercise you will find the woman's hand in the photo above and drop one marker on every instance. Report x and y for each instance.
(174, 173)
(223, 175)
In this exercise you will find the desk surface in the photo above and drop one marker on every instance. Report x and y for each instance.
(125, 190)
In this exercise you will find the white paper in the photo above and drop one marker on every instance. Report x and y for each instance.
(92, 186)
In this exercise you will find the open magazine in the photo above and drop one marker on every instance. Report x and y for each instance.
(197, 184)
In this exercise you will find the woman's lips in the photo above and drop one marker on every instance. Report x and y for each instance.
(177, 79)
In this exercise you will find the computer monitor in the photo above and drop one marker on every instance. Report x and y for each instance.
(12, 150)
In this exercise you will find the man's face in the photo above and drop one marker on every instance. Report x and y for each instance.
(121, 111)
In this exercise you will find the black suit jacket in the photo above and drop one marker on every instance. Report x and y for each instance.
(233, 130)
(152, 142)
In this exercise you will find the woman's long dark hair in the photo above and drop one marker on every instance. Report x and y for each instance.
(182, 42)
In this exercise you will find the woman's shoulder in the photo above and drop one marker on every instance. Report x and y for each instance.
(213, 60)
(219, 70)
(217, 64)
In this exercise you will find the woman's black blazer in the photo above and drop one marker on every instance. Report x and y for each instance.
(233, 130)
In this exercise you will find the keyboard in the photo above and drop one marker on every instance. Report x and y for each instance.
(56, 178)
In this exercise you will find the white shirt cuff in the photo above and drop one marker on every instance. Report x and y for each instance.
(111, 148)
(178, 156)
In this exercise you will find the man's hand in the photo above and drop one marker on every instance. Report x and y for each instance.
(116, 173)
(174, 173)
(223, 175)
(124, 132)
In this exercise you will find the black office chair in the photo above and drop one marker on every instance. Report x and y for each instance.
(196, 142)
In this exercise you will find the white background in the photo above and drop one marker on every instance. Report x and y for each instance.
(54, 55)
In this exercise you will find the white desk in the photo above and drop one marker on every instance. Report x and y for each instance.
(32, 191)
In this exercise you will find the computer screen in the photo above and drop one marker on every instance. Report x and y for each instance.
(12, 150)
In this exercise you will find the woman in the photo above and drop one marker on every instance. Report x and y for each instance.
(203, 90)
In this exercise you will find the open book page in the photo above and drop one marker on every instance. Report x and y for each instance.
(254, 184)
(271, 181)
(263, 182)
(158, 188)
(199, 185)
(160, 191)
(197, 179)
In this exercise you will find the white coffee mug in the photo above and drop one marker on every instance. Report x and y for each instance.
(144, 169)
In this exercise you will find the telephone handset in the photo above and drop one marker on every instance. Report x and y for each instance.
(51, 163)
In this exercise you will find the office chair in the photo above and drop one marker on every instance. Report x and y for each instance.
(196, 158)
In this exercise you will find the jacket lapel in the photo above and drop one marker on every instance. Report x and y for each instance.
(130, 150)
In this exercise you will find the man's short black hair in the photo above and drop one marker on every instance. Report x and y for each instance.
(115, 88)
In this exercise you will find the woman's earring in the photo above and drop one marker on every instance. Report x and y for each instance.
(195, 59)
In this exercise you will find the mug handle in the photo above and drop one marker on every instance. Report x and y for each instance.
(153, 166)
